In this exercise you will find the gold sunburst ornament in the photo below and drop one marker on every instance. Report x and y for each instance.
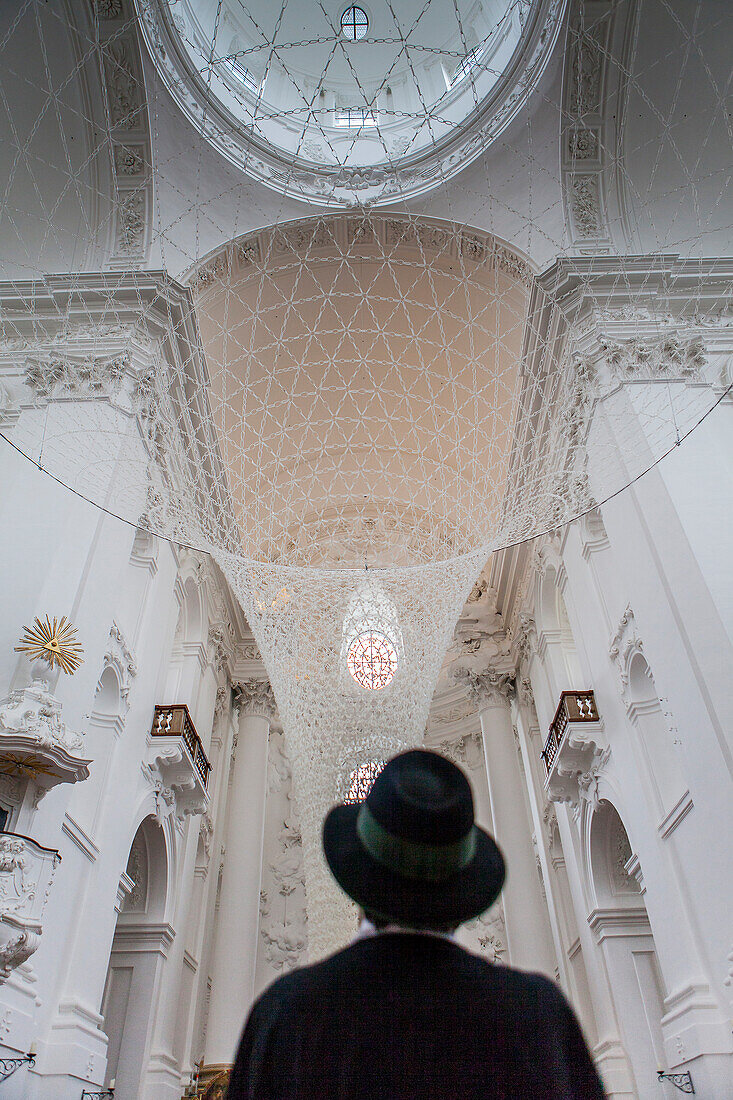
(54, 643)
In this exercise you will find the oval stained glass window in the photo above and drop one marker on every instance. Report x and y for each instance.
(372, 660)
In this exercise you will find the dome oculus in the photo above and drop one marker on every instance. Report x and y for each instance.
(280, 93)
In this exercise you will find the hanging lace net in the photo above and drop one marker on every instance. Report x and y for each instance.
(351, 407)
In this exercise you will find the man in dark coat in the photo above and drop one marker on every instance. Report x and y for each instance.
(404, 1012)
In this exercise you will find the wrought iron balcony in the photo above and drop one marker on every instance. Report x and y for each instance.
(573, 744)
(175, 721)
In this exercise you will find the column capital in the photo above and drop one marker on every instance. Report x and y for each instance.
(488, 688)
(255, 698)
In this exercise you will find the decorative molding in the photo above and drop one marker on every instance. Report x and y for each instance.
(120, 658)
(131, 221)
(108, 9)
(137, 872)
(582, 149)
(624, 921)
(130, 160)
(623, 645)
(279, 245)
(17, 950)
(488, 688)
(621, 859)
(585, 205)
(123, 87)
(671, 357)
(221, 647)
(524, 691)
(632, 867)
(677, 814)
(525, 637)
(587, 782)
(490, 932)
(26, 874)
(128, 129)
(310, 176)
(466, 751)
(255, 697)
(35, 738)
(73, 830)
(176, 782)
(53, 376)
(124, 889)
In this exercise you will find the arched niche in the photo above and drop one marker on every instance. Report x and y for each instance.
(107, 698)
(139, 949)
(623, 934)
(147, 868)
(192, 613)
(555, 633)
(610, 851)
(656, 738)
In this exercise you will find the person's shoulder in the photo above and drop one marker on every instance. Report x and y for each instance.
(525, 986)
(302, 980)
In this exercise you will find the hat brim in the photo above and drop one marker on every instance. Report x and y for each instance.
(374, 887)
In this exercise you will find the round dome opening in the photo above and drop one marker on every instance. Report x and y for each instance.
(345, 105)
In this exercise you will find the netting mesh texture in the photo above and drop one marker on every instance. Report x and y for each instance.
(352, 406)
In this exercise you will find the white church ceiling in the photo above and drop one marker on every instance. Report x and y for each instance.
(320, 357)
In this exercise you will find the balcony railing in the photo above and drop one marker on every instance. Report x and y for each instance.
(175, 721)
(574, 706)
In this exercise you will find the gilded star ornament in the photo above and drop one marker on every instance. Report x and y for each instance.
(32, 766)
(54, 643)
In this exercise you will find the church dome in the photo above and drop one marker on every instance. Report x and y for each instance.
(350, 104)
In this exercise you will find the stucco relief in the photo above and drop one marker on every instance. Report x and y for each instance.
(585, 205)
(36, 713)
(489, 931)
(26, 874)
(128, 129)
(119, 657)
(283, 921)
(490, 687)
(672, 356)
(36, 743)
(123, 88)
(137, 869)
(466, 751)
(58, 375)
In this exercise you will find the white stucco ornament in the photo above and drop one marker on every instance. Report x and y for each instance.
(34, 737)
(287, 97)
(26, 873)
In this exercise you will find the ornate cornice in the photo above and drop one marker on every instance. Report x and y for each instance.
(339, 234)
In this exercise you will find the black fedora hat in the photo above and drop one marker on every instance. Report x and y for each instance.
(411, 852)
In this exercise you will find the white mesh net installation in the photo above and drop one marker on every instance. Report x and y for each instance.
(382, 291)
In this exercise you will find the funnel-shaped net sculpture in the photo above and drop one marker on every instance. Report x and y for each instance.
(352, 408)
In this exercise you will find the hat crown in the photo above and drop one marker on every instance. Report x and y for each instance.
(420, 796)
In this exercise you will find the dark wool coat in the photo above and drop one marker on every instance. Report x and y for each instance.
(410, 1016)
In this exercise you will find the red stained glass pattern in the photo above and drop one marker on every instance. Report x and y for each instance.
(360, 780)
(372, 660)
